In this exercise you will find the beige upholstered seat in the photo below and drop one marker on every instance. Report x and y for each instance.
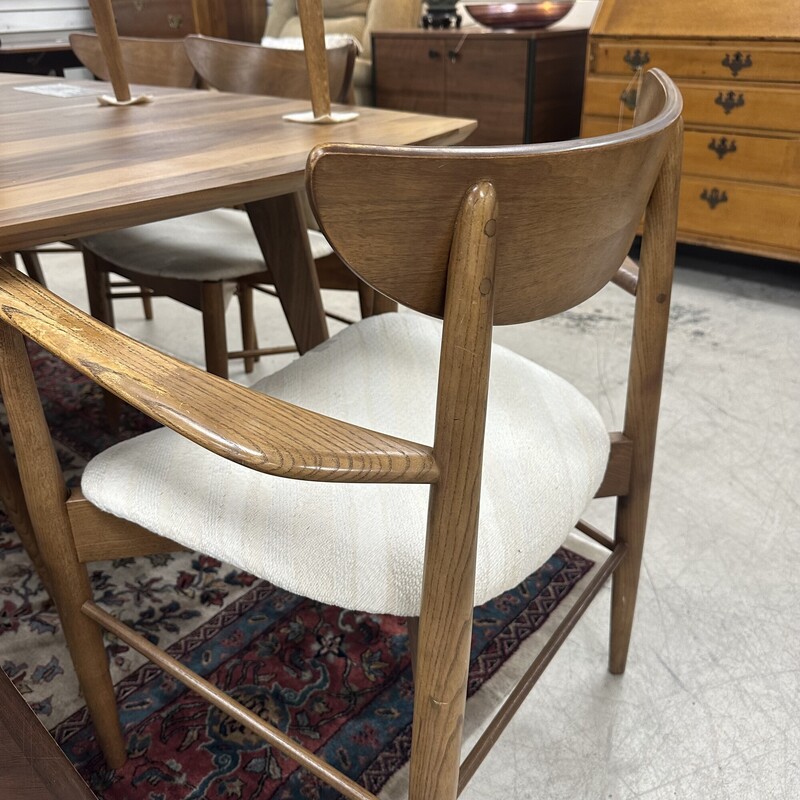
(546, 453)
(189, 247)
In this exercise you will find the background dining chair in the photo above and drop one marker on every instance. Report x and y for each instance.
(202, 259)
(263, 478)
(154, 62)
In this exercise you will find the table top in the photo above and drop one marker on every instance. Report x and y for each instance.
(70, 167)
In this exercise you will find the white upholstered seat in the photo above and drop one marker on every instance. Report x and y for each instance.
(361, 546)
(212, 245)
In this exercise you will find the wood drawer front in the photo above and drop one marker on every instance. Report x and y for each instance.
(471, 88)
(710, 60)
(744, 213)
(754, 106)
(409, 74)
(761, 159)
(732, 156)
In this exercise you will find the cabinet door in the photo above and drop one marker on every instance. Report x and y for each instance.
(487, 80)
(409, 74)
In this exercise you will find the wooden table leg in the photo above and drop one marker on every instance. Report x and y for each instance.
(281, 232)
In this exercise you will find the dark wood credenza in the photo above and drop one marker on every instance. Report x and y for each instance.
(521, 86)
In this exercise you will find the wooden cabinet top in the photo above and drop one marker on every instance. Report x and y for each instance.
(716, 19)
(486, 33)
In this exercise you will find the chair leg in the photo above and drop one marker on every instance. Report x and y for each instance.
(95, 271)
(33, 266)
(244, 291)
(147, 302)
(412, 625)
(366, 299)
(650, 321)
(383, 305)
(630, 529)
(45, 493)
(214, 334)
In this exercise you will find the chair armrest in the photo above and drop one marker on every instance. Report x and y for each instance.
(252, 429)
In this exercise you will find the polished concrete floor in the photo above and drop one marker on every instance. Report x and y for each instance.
(710, 704)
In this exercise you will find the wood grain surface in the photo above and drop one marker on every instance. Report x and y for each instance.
(78, 168)
(31, 765)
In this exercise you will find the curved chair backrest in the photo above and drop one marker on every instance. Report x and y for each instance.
(156, 62)
(254, 69)
(568, 211)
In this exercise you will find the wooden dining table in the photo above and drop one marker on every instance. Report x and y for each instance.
(70, 167)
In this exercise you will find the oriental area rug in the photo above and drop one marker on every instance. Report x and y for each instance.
(337, 681)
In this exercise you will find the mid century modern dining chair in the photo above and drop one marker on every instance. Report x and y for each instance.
(154, 62)
(201, 258)
(264, 478)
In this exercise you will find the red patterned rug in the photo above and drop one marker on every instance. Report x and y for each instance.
(337, 681)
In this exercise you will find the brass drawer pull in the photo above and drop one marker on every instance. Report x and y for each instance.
(628, 97)
(714, 197)
(722, 148)
(637, 59)
(433, 54)
(729, 101)
(737, 63)
(174, 21)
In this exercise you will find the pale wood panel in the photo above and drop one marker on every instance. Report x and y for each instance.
(778, 19)
(763, 106)
(756, 213)
(86, 169)
(760, 159)
(702, 60)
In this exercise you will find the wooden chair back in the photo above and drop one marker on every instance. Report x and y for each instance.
(253, 69)
(155, 62)
(568, 211)
(507, 235)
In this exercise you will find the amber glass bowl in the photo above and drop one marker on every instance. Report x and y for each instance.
(536, 14)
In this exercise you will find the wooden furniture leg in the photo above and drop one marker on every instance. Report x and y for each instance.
(644, 393)
(46, 494)
(214, 334)
(33, 266)
(281, 232)
(244, 290)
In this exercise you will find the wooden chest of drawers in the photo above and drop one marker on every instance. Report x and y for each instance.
(738, 67)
